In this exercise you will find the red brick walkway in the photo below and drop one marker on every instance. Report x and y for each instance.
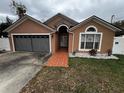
(59, 59)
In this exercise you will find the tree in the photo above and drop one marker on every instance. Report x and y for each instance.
(19, 8)
(5, 25)
(119, 24)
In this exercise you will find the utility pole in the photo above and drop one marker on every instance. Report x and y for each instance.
(112, 17)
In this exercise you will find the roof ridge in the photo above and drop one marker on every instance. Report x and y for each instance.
(62, 15)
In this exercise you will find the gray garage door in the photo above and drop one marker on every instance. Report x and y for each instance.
(33, 43)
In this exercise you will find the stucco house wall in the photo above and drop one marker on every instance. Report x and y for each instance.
(58, 20)
(107, 37)
(29, 26)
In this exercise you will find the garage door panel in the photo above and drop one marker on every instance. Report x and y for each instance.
(23, 44)
(47, 48)
(40, 44)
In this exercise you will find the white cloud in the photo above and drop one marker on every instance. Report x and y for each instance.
(4, 15)
(77, 9)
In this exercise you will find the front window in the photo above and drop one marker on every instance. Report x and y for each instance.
(90, 41)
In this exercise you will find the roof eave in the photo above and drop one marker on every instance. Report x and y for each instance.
(20, 21)
(109, 25)
(113, 28)
(35, 20)
(15, 24)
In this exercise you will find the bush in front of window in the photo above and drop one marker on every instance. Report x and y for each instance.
(93, 52)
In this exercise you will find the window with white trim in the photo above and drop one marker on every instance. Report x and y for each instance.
(90, 40)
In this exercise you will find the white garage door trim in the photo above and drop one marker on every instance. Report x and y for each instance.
(13, 45)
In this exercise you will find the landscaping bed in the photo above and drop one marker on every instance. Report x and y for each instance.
(82, 76)
(97, 56)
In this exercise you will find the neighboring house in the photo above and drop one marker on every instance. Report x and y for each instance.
(29, 34)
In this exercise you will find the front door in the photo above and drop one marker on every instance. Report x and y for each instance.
(64, 41)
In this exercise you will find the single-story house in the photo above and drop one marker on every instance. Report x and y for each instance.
(60, 31)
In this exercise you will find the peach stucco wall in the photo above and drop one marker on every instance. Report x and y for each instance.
(59, 21)
(107, 38)
(70, 48)
(31, 27)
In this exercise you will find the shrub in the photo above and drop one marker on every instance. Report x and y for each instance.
(74, 52)
(93, 52)
(109, 52)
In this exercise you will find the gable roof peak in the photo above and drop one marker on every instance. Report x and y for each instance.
(98, 20)
(94, 16)
(63, 16)
(59, 14)
(23, 19)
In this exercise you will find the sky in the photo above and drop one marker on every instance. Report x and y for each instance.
(78, 10)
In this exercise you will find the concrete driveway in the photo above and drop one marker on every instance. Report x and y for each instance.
(16, 69)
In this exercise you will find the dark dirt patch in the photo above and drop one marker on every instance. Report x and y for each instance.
(1, 52)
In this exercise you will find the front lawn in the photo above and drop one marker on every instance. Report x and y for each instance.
(83, 76)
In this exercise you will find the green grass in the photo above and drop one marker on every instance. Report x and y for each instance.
(82, 76)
